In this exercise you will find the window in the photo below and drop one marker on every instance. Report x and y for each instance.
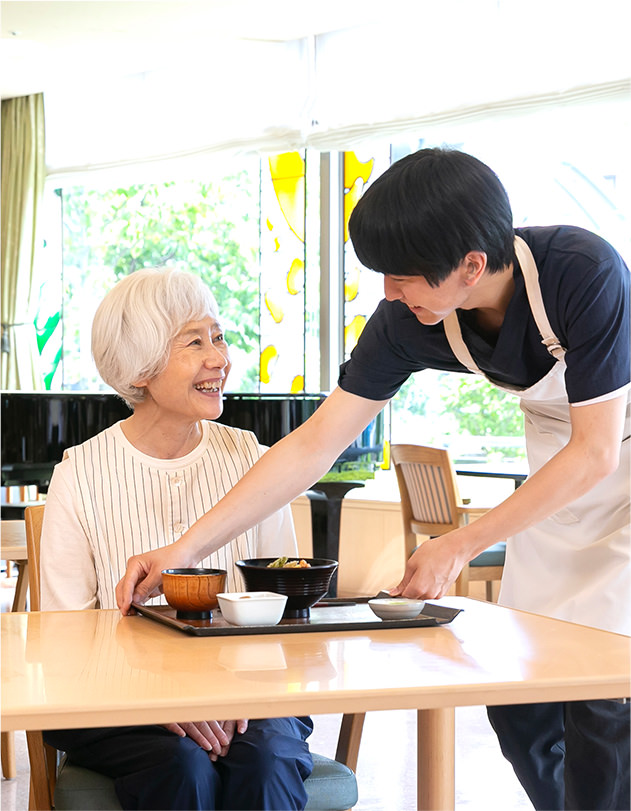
(243, 232)
(260, 233)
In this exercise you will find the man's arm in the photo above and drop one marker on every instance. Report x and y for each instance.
(592, 453)
(285, 471)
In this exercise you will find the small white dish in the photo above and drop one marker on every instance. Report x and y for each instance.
(396, 608)
(252, 607)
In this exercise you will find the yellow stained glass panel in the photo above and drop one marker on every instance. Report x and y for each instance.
(268, 356)
(274, 307)
(353, 331)
(296, 277)
(288, 178)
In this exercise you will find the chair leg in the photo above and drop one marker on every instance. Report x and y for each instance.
(349, 739)
(7, 747)
(52, 762)
(40, 798)
(21, 587)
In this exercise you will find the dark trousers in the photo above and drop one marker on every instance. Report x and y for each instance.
(156, 770)
(572, 755)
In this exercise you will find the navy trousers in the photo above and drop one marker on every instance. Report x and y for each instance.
(156, 770)
(572, 755)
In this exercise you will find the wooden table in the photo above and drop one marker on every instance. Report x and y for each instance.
(494, 472)
(96, 668)
(13, 548)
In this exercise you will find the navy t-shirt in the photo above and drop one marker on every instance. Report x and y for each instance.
(585, 288)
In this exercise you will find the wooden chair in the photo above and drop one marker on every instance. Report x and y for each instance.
(13, 550)
(431, 505)
(58, 784)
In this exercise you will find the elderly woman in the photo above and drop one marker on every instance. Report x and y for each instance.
(139, 485)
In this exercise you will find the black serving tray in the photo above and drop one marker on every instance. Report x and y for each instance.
(329, 617)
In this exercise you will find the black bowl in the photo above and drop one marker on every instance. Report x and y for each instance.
(303, 587)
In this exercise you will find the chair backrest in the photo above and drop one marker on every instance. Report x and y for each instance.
(428, 489)
(33, 518)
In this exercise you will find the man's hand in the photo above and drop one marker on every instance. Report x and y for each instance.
(214, 737)
(143, 577)
(432, 568)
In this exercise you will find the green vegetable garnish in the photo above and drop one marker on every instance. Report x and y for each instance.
(278, 563)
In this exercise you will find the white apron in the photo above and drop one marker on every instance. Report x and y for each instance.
(576, 564)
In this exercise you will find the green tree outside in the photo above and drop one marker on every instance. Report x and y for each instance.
(465, 413)
(211, 229)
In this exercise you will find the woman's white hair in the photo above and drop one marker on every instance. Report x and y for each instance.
(138, 319)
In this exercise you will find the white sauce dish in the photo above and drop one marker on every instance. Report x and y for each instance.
(396, 608)
(252, 607)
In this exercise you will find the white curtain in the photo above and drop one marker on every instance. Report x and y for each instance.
(425, 62)
(351, 135)
(463, 57)
(237, 96)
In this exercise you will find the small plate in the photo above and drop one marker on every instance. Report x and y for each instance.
(396, 608)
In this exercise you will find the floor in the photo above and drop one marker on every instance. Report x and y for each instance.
(386, 768)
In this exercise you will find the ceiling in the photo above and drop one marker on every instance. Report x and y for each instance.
(44, 42)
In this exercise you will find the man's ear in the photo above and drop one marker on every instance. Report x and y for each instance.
(474, 266)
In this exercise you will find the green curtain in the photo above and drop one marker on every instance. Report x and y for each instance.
(23, 173)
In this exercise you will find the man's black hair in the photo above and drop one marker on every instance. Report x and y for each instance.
(427, 211)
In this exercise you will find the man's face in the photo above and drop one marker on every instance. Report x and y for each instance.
(430, 305)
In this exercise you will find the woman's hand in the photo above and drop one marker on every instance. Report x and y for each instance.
(143, 577)
(214, 737)
(229, 728)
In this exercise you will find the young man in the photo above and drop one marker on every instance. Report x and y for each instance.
(543, 312)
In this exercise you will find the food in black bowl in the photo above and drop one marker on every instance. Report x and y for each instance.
(303, 580)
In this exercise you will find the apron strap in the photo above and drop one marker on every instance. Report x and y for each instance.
(457, 344)
(535, 299)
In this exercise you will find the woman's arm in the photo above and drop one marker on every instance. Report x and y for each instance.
(285, 471)
(592, 453)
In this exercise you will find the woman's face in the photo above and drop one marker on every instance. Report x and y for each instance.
(191, 385)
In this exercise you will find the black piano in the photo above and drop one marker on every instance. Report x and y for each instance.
(38, 427)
